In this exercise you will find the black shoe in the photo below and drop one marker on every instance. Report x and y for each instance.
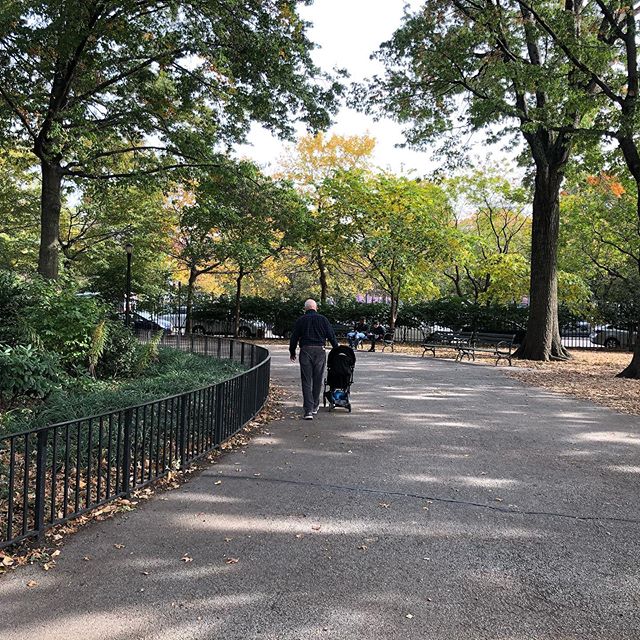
(308, 416)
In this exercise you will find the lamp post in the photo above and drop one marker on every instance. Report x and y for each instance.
(127, 310)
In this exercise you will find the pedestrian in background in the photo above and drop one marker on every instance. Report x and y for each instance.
(311, 331)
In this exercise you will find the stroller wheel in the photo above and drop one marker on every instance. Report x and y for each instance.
(349, 408)
(324, 400)
(331, 406)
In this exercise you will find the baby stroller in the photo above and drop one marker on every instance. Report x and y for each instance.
(340, 365)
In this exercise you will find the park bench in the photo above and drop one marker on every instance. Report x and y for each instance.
(439, 340)
(498, 345)
(388, 340)
(467, 344)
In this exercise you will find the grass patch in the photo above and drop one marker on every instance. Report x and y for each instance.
(172, 373)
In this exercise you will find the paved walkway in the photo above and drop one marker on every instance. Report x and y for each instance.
(453, 503)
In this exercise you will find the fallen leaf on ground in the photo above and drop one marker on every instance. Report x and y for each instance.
(232, 560)
(384, 505)
(31, 584)
(118, 546)
(186, 558)
(218, 482)
(315, 527)
(409, 616)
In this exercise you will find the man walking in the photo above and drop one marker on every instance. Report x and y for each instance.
(312, 331)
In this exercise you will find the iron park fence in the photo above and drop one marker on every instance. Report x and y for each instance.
(55, 473)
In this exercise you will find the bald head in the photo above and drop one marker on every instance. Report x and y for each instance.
(310, 305)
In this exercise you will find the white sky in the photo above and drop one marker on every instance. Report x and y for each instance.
(348, 32)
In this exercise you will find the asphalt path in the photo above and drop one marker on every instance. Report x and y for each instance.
(453, 503)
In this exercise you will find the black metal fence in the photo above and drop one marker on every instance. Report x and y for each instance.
(55, 473)
(608, 327)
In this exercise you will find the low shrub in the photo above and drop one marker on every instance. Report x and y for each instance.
(120, 354)
(173, 372)
(27, 373)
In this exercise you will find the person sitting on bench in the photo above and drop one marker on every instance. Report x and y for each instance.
(358, 334)
(376, 335)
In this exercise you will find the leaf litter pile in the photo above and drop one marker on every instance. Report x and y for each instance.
(589, 375)
(25, 553)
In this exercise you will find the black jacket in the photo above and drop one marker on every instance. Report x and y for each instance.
(311, 330)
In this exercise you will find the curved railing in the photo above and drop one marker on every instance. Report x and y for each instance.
(55, 473)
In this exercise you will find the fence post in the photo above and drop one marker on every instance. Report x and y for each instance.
(182, 435)
(217, 438)
(41, 474)
(206, 345)
(126, 453)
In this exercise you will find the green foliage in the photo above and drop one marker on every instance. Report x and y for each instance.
(19, 209)
(398, 230)
(192, 79)
(27, 373)
(107, 215)
(96, 348)
(13, 298)
(121, 352)
(174, 372)
(61, 320)
(149, 353)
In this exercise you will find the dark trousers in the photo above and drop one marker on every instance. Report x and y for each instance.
(312, 363)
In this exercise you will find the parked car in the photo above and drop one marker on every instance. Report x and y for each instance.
(613, 336)
(142, 321)
(576, 329)
(177, 318)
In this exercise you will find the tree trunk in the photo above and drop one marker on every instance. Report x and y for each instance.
(191, 285)
(542, 340)
(633, 370)
(632, 158)
(236, 317)
(393, 312)
(50, 204)
(322, 267)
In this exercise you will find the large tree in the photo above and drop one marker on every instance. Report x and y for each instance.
(456, 66)
(313, 159)
(230, 222)
(396, 230)
(603, 52)
(161, 82)
(492, 263)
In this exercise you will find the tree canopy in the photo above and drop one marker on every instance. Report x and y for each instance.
(162, 83)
